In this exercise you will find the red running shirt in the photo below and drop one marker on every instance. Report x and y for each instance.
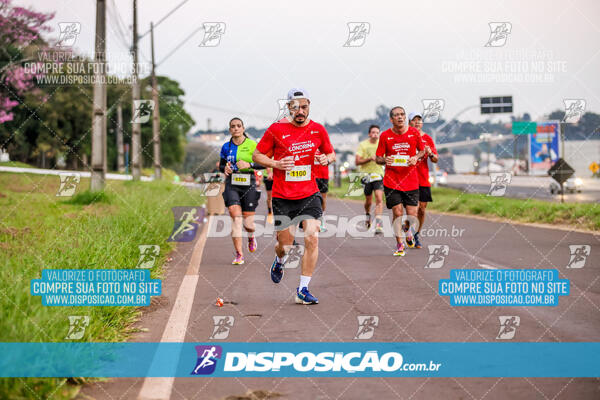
(422, 166)
(400, 176)
(320, 171)
(283, 139)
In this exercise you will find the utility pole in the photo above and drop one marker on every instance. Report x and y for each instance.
(120, 160)
(136, 130)
(155, 114)
(99, 106)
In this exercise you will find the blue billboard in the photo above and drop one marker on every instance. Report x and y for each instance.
(544, 147)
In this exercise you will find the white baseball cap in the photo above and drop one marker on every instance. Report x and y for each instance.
(297, 93)
(414, 114)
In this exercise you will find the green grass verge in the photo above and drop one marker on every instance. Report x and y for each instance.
(91, 230)
(15, 164)
(576, 215)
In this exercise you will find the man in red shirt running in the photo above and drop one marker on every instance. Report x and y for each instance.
(416, 121)
(289, 148)
(399, 149)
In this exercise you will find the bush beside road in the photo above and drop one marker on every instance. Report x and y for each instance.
(39, 230)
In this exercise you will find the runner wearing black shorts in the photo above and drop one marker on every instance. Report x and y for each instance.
(240, 194)
(372, 178)
(416, 121)
(399, 149)
(289, 146)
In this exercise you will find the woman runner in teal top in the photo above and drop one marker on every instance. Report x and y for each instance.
(240, 194)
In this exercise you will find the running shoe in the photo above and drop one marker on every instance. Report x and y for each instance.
(399, 250)
(322, 227)
(417, 241)
(368, 221)
(252, 245)
(270, 218)
(378, 227)
(276, 271)
(304, 297)
(239, 259)
(410, 239)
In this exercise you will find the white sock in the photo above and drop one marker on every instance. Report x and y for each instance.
(280, 260)
(304, 280)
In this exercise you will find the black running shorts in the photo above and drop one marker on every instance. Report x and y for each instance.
(245, 196)
(371, 186)
(290, 212)
(394, 197)
(323, 184)
(425, 194)
(269, 184)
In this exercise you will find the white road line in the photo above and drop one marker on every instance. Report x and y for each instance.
(159, 388)
(487, 266)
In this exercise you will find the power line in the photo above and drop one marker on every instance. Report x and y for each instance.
(120, 23)
(180, 44)
(116, 28)
(163, 18)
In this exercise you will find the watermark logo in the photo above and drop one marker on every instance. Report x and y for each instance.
(283, 110)
(223, 324)
(68, 32)
(207, 359)
(211, 183)
(68, 184)
(508, 327)
(213, 31)
(294, 255)
(186, 224)
(499, 182)
(499, 32)
(148, 255)
(366, 326)
(579, 254)
(143, 111)
(356, 186)
(432, 109)
(357, 33)
(574, 109)
(437, 255)
(77, 325)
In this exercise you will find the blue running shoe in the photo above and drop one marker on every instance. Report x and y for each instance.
(304, 297)
(417, 241)
(409, 237)
(276, 271)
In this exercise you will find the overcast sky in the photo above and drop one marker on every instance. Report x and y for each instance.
(414, 50)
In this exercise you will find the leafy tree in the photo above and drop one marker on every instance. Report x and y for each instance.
(19, 28)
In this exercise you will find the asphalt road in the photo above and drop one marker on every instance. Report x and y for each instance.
(532, 192)
(527, 187)
(359, 276)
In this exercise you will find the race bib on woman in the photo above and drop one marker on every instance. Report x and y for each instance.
(240, 179)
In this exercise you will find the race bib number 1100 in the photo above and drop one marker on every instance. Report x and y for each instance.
(298, 173)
